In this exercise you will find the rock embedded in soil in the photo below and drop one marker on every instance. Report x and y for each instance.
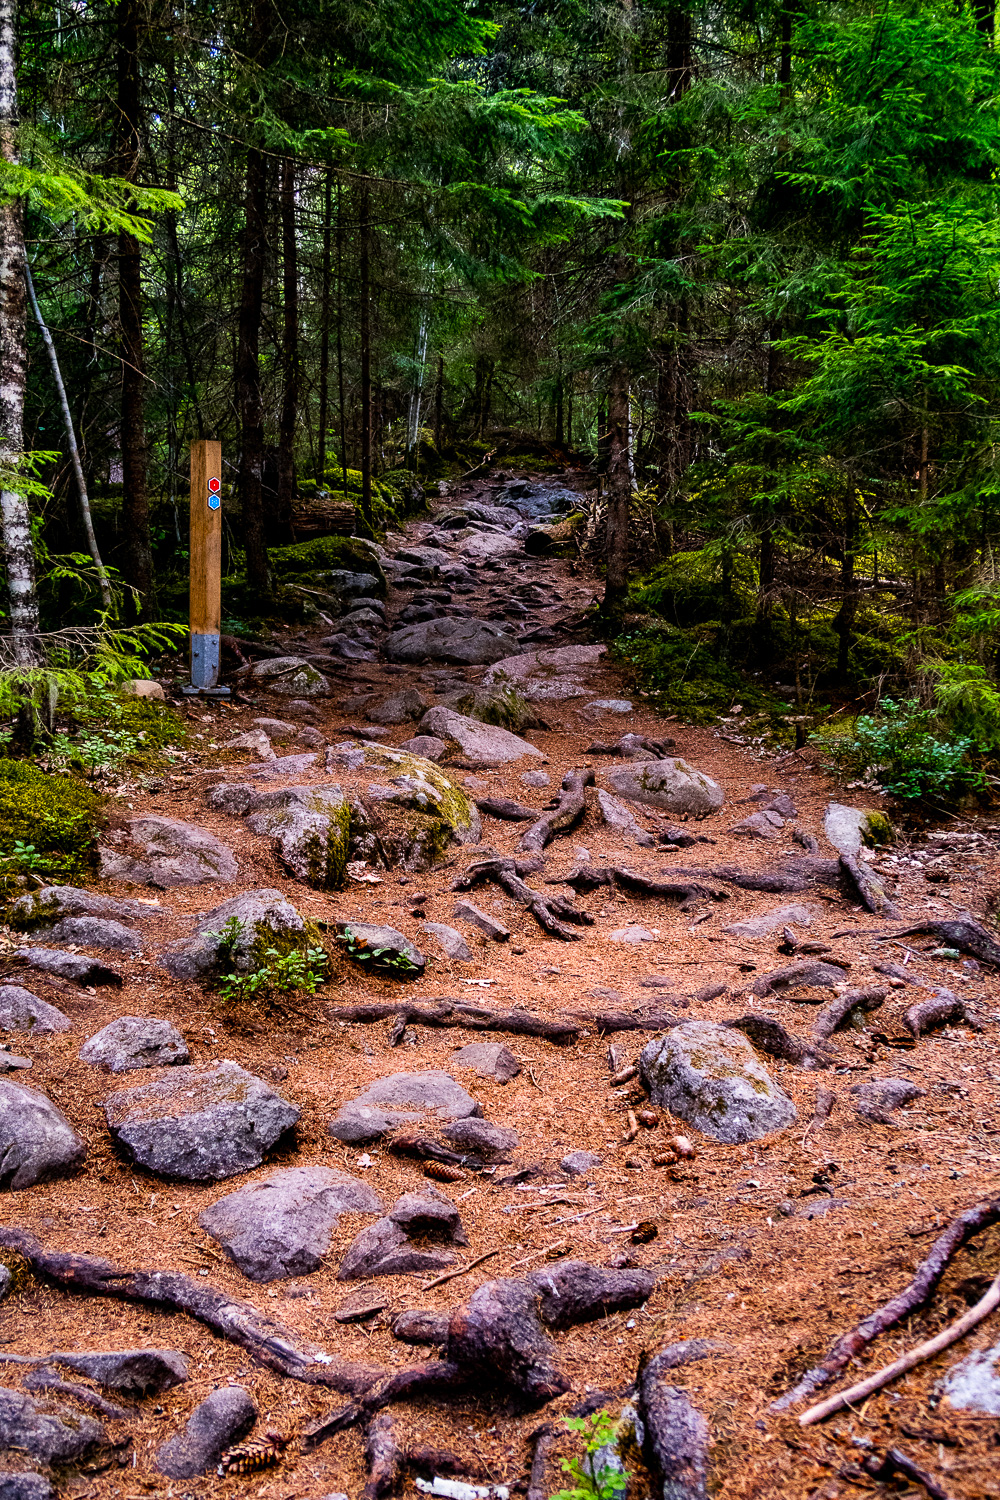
(428, 1214)
(848, 829)
(803, 974)
(576, 1292)
(401, 1099)
(546, 675)
(577, 1163)
(92, 932)
(621, 818)
(54, 901)
(281, 1226)
(497, 1334)
(428, 746)
(135, 1042)
(468, 911)
(492, 1142)
(451, 941)
(973, 1384)
(36, 1139)
(385, 1249)
(671, 784)
(200, 1124)
(25, 1485)
(484, 744)
(165, 852)
(399, 708)
(381, 950)
(877, 1099)
(254, 740)
(132, 1372)
(215, 1425)
(711, 1077)
(20, 1010)
(488, 1060)
(72, 966)
(287, 676)
(759, 825)
(536, 778)
(632, 934)
(310, 830)
(46, 1431)
(411, 815)
(468, 642)
(752, 928)
(608, 706)
(265, 919)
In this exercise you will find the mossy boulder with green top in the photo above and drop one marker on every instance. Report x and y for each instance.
(411, 815)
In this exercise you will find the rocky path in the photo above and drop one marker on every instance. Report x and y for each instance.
(613, 1094)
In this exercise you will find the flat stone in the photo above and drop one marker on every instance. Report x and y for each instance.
(632, 934)
(609, 706)
(11, 1063)
(46, 1431)
(491, 1142)
(310, 827)
(974, 1383)
(879, 1098)
(484, 744)
(54, 901)
(758, 825)
(470, 642)
(578, 1163)
(215, 1425)
(200, 1124)
(132, 1372)
(426, 745)
(385, 1249)
(451, 940)
(546, 675)
(488, 1060)
(281, 1226)
(711, 1077)
(20, 1010)
(36, 1139)
(254, 740)
(468, 911)
(307, 735)
(621, 818)
(263, 917)
(797, 913)
(484, 545)
(428, 1214)
(671, 784)
(287, 676)
(135, 1042)
(92, 932)
(399, 708)
(283, 767)
(536, 778)
(73, 966)
(275, 729)
(401, 1099)
(165, 852)
(848, 828)
(25, 1485)
(381, 950)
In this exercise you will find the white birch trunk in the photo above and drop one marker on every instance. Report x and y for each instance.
(19, 555)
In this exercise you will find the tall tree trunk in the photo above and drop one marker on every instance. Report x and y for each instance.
(289, 349)
(844, 622)
(248, 392)
(324, 337)
(19, 554)
(619, 498)
(439, 405)
(559, 425)
(340, 342)
(366, 518)
(138, 558)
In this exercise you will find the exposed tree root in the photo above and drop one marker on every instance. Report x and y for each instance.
(632, 746)
(446, 1012)
(552, 913)
(937, 1010)
(923, 1285)
(962, 932)
(505, 808)
(870, 889)
(896, 1462)
(384, 1457)
(796, 875)
(619, 877)
(568, 810)
(543, 1440)
(836, 1011)
(768, 1035)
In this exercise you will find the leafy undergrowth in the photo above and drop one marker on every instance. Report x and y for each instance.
(48, 824)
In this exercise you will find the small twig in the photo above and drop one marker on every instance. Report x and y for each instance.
(534, 1080)
(461, 1271)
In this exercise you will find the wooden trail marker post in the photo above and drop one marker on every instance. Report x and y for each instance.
(206, 567)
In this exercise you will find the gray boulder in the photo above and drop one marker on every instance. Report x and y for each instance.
(879, 1098)
(310, 827)
(254, 740)
(165, 852)
(623, 820)
(265, 919)
(200, 1124)
(135, 1042)
(711, 1077)
(428, 1214)
(54, 901)
(578, 1163)
(46, 1431)
(488, 1060)
(133, 1372)
(281, 768)
(288, 676)
(632, 934)
(280, 1227)
(409, 814)
(426, 745)
(401, 1099)
(36, 1139)
(92, 932)
(670, 784)
(75, 967)
(11, 1063)
(799, 913)
(25, 1485)
(385, 1249)
(491, 1142)
(398, 708)
(849, 829)
(20, 1010)
(451, 940)
(546, 676)
(759, 825)
(381, 950)
(483, 744)
(467, 641)
(215, 1425)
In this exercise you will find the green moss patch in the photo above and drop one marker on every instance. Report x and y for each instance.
(48, 824)
(325, 553)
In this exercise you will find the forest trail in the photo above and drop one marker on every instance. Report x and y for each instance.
(769, 1248)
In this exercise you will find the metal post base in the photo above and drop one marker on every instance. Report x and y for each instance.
(190, 691)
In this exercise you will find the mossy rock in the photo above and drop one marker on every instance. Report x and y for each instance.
(503, 707)
(325, 553)
(411, 819)
(310, 827)
(56, 816)
(878, 830)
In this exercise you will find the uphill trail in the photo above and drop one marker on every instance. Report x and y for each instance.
(536, 1069)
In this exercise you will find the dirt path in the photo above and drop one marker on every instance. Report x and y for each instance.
(770, 1248)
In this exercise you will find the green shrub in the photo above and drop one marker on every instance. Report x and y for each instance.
(600, 1475)
(685, 588)
(686, 675)
(968, 701)
(899, 749)
(324, 553)
(48, 824)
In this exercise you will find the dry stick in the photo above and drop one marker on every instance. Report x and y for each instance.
(568, 811)
(462, 1271)
(924, 1283)
(888, 1373)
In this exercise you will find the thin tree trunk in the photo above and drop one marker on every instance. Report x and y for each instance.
(289, 349)
(844, 623)
(324, 338)
(560, 430)
(138, 557)
(74, 452)
(619, 493)
(340, 342)
(248, 391)
(366, 518)
(19, 554)
(439, 405)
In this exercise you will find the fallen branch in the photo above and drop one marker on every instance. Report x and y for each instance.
(569, 809)
(836, 1012)
(926, 1350)
(551, 913)
(268, 1342)
(962, 932)
(461, 1271)
(456, 1013)
(915, 1294)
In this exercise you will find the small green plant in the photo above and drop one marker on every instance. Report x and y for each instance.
(598, 1475)
(300, 971)
(378, 958)
(92, 752)
(898, 749)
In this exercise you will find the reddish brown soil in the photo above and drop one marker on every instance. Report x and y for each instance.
(746, 1253)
